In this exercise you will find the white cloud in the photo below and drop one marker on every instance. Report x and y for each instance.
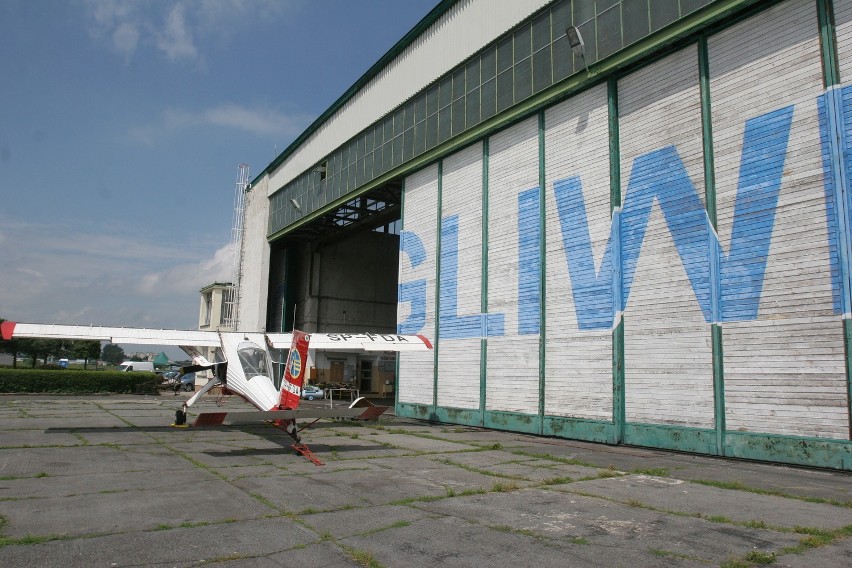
(66, 275)
(175, 39)
(259, 120)
(175, 29)
(125, 38)
(190, 277)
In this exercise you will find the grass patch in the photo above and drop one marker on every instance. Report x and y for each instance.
(655, 471)
(757, 557)
(671, 554)
(31, 539)
(815, 538)
(556, 481)
(513, 530)
(363, 558)
(568, 461)
(396, 525)
(472, 469)
(738, 486)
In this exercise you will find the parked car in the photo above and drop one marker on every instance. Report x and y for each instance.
(187, 382)
(168, 378)
(311, 392)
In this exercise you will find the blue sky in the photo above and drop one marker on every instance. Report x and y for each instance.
(122, 126)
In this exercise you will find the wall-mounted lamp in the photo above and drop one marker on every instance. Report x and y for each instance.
(578, 46)
(295, 204)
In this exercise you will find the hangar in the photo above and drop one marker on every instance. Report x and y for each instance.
(621, 221)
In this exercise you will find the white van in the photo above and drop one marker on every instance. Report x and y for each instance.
(137, 366)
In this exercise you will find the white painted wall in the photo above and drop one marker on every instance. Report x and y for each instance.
(461, 197)
(785, 372)
(579, 372)
(254, 282)
(512, 377)
(668, 356)
(417, 369)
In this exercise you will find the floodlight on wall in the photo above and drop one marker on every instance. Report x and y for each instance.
(295, 204)
(578, 46)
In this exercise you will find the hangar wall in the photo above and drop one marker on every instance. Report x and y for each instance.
(254, 260)
(660, 260)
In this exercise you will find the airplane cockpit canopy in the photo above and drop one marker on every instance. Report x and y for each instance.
(253, 359)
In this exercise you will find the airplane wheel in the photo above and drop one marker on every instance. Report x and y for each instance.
(180, 418)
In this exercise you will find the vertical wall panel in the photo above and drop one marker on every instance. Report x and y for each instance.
(579, 271)
(784, 358)
(512, 381)
(843, 26)
(667, 349)
(461, 287)
(417, 266)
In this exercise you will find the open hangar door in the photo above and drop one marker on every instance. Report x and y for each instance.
(338, 272)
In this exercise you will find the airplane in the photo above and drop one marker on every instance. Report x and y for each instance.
(244, 367)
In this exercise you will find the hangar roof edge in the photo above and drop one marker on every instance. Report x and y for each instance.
(439, 10)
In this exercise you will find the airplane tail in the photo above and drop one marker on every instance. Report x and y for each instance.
(294, 371)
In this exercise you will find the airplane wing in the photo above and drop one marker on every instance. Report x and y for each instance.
(356, 341)
(112, 334)
(252, 417)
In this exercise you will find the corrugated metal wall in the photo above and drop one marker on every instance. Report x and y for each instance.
(579, 262)
(667, 348)
(417, 277)
(461, 282)
(705, 198)
(512, 373)
(784, 370)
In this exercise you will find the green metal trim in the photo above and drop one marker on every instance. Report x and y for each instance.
(618, 382)
(396, 362)
(542, 309)
(828, 43)
(483, 350)
(599, 431)
(847, 343)
(679, 438)
(436, 345)
(799, 450)
(466, 416)
(710, 205)
(707, 129)
(512, 421)
(414, 410)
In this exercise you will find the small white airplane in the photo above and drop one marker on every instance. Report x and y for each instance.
(244, 367)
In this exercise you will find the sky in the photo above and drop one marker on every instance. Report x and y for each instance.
(122, 127)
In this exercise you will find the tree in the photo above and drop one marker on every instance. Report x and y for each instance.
(112, 353)
(41, 348)
(86, 349)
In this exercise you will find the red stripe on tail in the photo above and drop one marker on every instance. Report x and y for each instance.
(7, 329)
(294, 371)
